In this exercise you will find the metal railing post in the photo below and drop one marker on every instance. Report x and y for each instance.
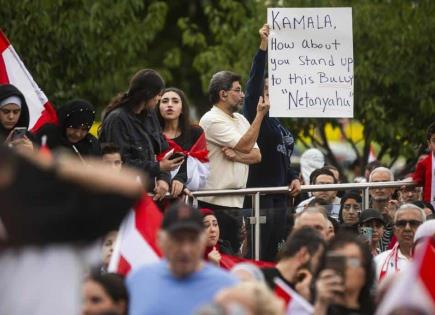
(366, 195)
(257, 225)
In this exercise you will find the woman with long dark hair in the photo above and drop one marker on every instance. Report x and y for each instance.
(130, 122)
(345, 278)
(104, 294)
(185, 138)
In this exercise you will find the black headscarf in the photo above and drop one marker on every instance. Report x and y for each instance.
(76, 114)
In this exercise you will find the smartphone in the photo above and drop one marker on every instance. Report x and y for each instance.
(19, 133)
(336, 263)
(176, 155)
(367, 233)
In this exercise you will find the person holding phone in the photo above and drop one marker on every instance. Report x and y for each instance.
(345, 278)
(185, 139)
(14, 118)
(130, 122)
(372, 223)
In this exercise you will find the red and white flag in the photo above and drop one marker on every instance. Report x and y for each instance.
(136, 245)
(414, 288)
(13, 71)
(295, 303)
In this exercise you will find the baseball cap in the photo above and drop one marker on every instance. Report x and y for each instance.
(371, 214)
(182, 217)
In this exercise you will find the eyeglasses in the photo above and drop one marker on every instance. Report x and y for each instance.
(356, 207)
(403, 223)
(353, 262)
(239, 91)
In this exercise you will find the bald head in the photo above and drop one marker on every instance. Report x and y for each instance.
(313, 217)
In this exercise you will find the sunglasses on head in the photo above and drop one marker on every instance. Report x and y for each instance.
(412, 223)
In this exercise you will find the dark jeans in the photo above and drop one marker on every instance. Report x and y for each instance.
(229, 220)
(274, 232)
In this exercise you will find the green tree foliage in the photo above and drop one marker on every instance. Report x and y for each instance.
(90, 49)
(85, 48)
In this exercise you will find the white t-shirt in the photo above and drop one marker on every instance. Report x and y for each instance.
(335, 209)
(223, 130)
(387, 260)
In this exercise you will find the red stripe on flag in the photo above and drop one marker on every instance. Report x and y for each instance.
(48, 116)
(148, 219)
(123, 266)
(281, 293)
(4, 79)
(4, 42)
(427, 274)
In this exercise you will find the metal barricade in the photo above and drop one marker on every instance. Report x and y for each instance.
(255, 194)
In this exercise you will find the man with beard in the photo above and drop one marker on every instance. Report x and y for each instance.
(232, 147)
(298, 259)
(406, 221)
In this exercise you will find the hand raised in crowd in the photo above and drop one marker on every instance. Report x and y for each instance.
(160, 189)
(167, 165)
(329, 290)
(302, 286)
(264, 36)
(391, 207)
(176, 188)
(294, 187)
(263, 105)
(214, 257)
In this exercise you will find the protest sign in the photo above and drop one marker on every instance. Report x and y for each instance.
(310, 62)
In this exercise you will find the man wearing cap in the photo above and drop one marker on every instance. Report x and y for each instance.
(371, 220)
(182, 282)
(406, 221)
(14, 113)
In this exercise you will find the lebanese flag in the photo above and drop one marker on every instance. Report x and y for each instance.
(229, 261)
(414, 288)
(295, 303)
(135, 245)
(198, 167)
(13, 71)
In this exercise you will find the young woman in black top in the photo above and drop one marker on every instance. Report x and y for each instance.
(185, 138)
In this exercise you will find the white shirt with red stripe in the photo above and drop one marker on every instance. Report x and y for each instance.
(390, 262)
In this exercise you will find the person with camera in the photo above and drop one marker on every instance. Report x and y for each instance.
(345, 278)
(14, 118)
(371, 226)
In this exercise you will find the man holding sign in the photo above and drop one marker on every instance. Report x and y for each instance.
(311, 62)
(276, 145)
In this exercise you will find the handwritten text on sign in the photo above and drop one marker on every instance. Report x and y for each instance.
(310, 62)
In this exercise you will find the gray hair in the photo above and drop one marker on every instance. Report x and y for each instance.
(408, 206)
(314, 209)
(382, 169)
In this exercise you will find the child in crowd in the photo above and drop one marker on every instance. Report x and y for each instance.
(111, 154)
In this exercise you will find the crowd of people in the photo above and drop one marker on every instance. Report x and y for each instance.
(336, 255)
